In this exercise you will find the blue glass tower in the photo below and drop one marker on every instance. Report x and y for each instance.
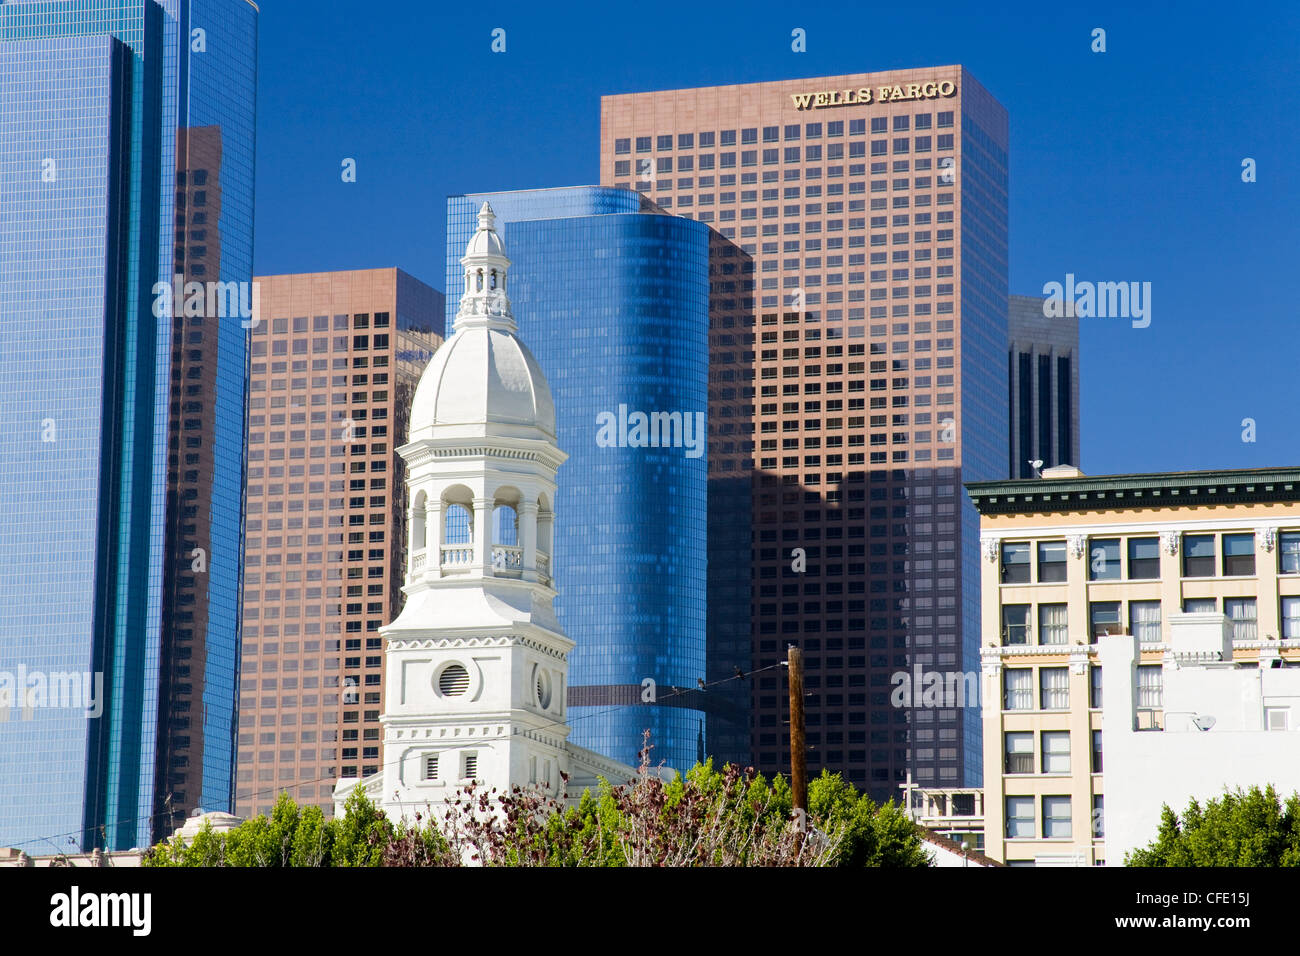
(126, 173)
(613, 302)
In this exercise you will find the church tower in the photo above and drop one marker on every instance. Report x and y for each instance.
(477, 664)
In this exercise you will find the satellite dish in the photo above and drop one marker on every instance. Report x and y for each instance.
(1203, 722)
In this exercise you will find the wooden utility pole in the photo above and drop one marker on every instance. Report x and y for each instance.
(798, 746)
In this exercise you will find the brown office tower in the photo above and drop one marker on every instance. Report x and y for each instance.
(855, 385)
(335, 359)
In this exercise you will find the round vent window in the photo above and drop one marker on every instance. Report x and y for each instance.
(453, 681)
(543, 689)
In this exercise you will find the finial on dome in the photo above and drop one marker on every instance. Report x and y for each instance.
(486, 218)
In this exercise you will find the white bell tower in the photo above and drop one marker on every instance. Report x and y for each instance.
(477, 665)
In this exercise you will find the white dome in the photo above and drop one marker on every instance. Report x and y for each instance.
(485, 242)
(483, 381)
(483, 377)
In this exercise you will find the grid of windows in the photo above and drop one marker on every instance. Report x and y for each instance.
(836, 370)
(631, 593)
(333, 374)
(128, 163)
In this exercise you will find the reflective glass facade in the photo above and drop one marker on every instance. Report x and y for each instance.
(166, 508)
(614, 304)
(62, 294)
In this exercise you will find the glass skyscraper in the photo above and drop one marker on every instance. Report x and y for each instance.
(613, 301)
(126, 175)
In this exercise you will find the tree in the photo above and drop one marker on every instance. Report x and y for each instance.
(302, 837)
(1241, 828)
(707, 817)
(873, 835)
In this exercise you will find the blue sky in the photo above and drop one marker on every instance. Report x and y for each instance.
(1125, 165)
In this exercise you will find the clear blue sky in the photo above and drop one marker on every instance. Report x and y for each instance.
(1124, 165)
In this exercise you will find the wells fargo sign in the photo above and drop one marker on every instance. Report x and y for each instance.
(881, 94)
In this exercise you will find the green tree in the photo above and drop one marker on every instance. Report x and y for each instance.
(363, 833)
(873, 835)
(706, 817)
(291, 837)
(1241, 828)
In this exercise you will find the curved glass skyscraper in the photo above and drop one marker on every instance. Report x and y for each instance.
(613, 301)
(126, 176)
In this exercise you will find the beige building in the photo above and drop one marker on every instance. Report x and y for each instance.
(335, 359)
(1067, 559)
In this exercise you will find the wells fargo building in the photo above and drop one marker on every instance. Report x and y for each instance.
(858, 376)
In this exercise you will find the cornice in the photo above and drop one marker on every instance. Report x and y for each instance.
(486, 641)
(1156, 490)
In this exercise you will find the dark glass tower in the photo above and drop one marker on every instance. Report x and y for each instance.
(126, 175)
(1043, 363)
(614, 304)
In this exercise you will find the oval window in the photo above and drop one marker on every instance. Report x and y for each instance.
(543, 689)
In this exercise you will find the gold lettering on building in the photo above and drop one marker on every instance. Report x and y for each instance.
(822, 99)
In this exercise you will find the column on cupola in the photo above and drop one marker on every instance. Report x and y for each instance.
(415, 514)
(434, 533)
(412, 523)
(527, 512)
(483, 534)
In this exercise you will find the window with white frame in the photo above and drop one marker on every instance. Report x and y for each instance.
(1015, 624)
(1103, 619)
(1018, 688)
(1020, 818)
(1015, 563)
(1057, 818)
(469, 765)
(1054, 688)
(1019, 752)
(1291, 618)
(430, 766)
(1056, 751)
(1277, 718)
(1144, 621)
(1198, 555)
(1241, 613)
(1143, 558)
(1288, 552)
(1051, 561)
(1052, 628)
(1150, 686)
(1200, 605)
(1103, 559)
(1239, 554)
